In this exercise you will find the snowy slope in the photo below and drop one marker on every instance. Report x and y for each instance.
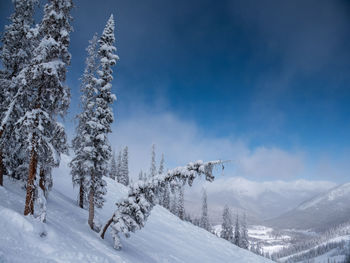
(259, 200)
(321, 212)
(69, 239)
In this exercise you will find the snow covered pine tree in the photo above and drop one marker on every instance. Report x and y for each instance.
(113, 170)
(124, 168)
(16, 52)
(81, 164)
(47, 97)
(181, 203)
(133, 211)
(101, 121)
(244, 234)
(226, 227)
(237, 236)
(204, 221)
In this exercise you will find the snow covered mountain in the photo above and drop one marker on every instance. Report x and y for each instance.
(68, 238)
(319, 213)
(259, 200)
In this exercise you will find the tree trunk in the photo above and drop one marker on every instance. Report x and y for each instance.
(106, 227)
(81, 194)
(42, 182)
(1, 170)
(29, 205)
(1, 165)
(91, 203)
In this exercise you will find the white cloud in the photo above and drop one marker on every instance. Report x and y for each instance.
(182, 141)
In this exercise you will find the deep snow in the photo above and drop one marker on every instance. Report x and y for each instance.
(68, 238)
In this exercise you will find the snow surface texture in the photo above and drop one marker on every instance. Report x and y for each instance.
(67, 237)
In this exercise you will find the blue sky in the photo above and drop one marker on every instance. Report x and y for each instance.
(255, 76)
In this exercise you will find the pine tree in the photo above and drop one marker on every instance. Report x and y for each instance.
(140, 175)
(124, 170)
(132, 212)
(102, 120)
(160, 191)
(204, 221)
(153, 169)
(181, 203)
(174, 205)
(119, 167)
(237, 236)
(161, 165)
(18, 42)
(166, 197)
(114, 170)
(81, 164)
(244, 237)
(45, 138)
(227, 228)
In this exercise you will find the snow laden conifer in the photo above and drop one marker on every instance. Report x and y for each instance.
(166, 197)
(161, 165)
(132, 212)
(124, 168)
(114, 169)
(119, 167)
(81, 165)
(45, 96)
(227, 227)
(237, 235)
(160, 192)
(174, 204)
(101, 121)
(18, 41)
(244, 234)
(204, 221)
(153, 169)
(181, 203)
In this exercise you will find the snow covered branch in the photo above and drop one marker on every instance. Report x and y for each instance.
(133, 211)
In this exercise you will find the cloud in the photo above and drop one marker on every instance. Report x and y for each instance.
(182, 141)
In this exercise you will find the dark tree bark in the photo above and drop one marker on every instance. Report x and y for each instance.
(81, 194)
(29, 205)
(106, 227)
(42, 182)
(1, 165)
(91, 203)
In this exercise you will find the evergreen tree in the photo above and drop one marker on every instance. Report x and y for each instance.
(45, 97)
(140, 175)
(18, 42)
(174, 205)
(161, 165)
(119, 167)
(227, 228)
(166, 197)
(132, 212)
(114, 170)
(81, 165)
(237, 236)
(181, 203)
(102, 120)
(244, 237)
(204, 221)
(153, 169)
(124, 170)
(160, 191)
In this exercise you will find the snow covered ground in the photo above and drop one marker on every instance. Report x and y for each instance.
(69, 239)
(269, 241)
